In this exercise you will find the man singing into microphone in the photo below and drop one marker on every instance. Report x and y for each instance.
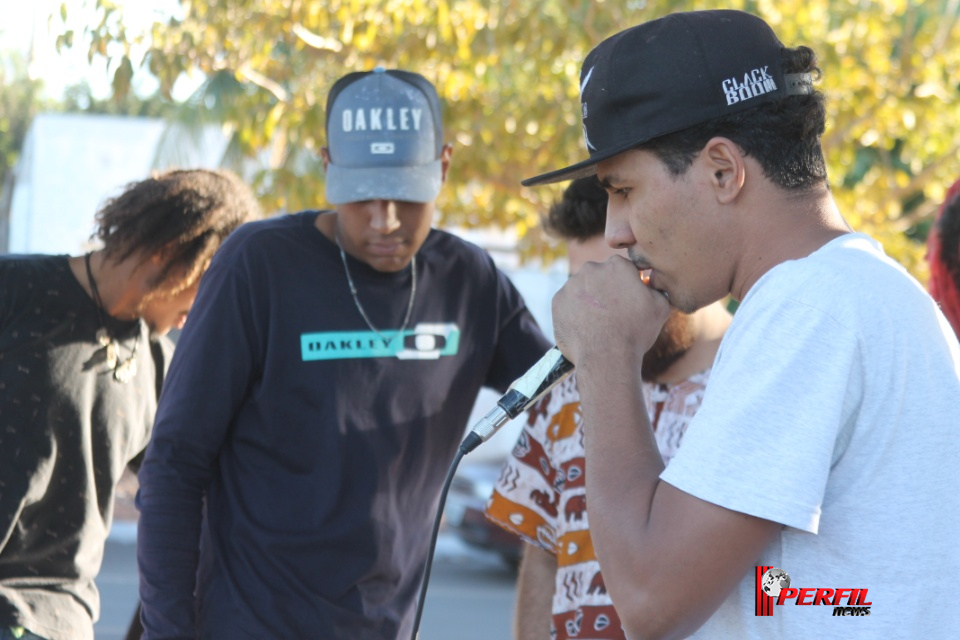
(826, 443)
(320, 391)
(540, 493)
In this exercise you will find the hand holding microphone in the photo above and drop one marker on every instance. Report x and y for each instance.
(607, 308)
(582, 297)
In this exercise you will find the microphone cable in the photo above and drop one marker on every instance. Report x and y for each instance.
(530, 387)
(425, 579)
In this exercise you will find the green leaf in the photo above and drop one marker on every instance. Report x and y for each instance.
(122, 78)
(507, 74)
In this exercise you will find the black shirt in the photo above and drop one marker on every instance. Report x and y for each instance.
(67, 431)
(320, 446)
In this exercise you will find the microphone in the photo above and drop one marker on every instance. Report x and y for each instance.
(527, 389)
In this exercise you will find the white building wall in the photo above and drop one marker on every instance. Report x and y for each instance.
(72, 163)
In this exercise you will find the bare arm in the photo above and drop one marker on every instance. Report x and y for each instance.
(660, 532)
(535, 586)
(643, 543)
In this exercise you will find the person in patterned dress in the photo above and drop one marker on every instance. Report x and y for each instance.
(541, 493)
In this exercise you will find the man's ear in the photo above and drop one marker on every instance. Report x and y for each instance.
(446, 153)
(725, 162)
(325, 154)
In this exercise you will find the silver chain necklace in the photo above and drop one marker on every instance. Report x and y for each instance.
(356, 299)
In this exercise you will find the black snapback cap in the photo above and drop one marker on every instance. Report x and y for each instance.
(672, 73)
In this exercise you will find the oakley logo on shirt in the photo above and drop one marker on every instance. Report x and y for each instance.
(426, 341)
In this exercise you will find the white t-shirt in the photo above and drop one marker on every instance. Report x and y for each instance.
(834, 408)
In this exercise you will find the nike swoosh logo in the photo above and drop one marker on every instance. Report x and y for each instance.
(583, 85)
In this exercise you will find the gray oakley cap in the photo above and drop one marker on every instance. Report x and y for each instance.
(385, 136)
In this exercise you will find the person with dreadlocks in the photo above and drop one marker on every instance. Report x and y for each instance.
(82, 356)
(943, 255)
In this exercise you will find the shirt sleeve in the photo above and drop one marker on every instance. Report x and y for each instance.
(540, 495)
(520, 342)
(525, 497)
(215, 362)
(780, 396)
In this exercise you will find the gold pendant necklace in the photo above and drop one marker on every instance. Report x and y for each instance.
(109, 352)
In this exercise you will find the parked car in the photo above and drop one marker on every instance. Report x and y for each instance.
(469, 491)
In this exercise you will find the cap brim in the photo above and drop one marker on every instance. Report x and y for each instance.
(420, 183)
(579, 170)
(582, 169)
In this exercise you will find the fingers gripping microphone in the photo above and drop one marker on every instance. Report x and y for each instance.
(540, 378)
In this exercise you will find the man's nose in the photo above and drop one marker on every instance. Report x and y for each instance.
(384, 216)
(617, 231)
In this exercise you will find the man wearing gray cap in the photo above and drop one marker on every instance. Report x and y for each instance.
(327, 374)
(818, 480)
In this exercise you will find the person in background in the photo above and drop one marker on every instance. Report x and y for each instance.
(943, 256)
(540, 495)
(320, 393)
(82, 358)
(824, 451)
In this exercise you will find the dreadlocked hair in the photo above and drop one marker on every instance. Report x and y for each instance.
(581, 213)
(183, 215)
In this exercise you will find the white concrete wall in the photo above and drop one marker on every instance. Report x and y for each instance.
(72, 163)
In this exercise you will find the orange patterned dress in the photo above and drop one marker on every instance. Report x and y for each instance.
(541, 496)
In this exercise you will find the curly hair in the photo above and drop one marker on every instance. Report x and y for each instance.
(182, 214)
(783, 136)
(581, 213)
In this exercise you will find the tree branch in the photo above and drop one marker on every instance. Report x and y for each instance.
(264, 82)
(315, 41)
(923, 177)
